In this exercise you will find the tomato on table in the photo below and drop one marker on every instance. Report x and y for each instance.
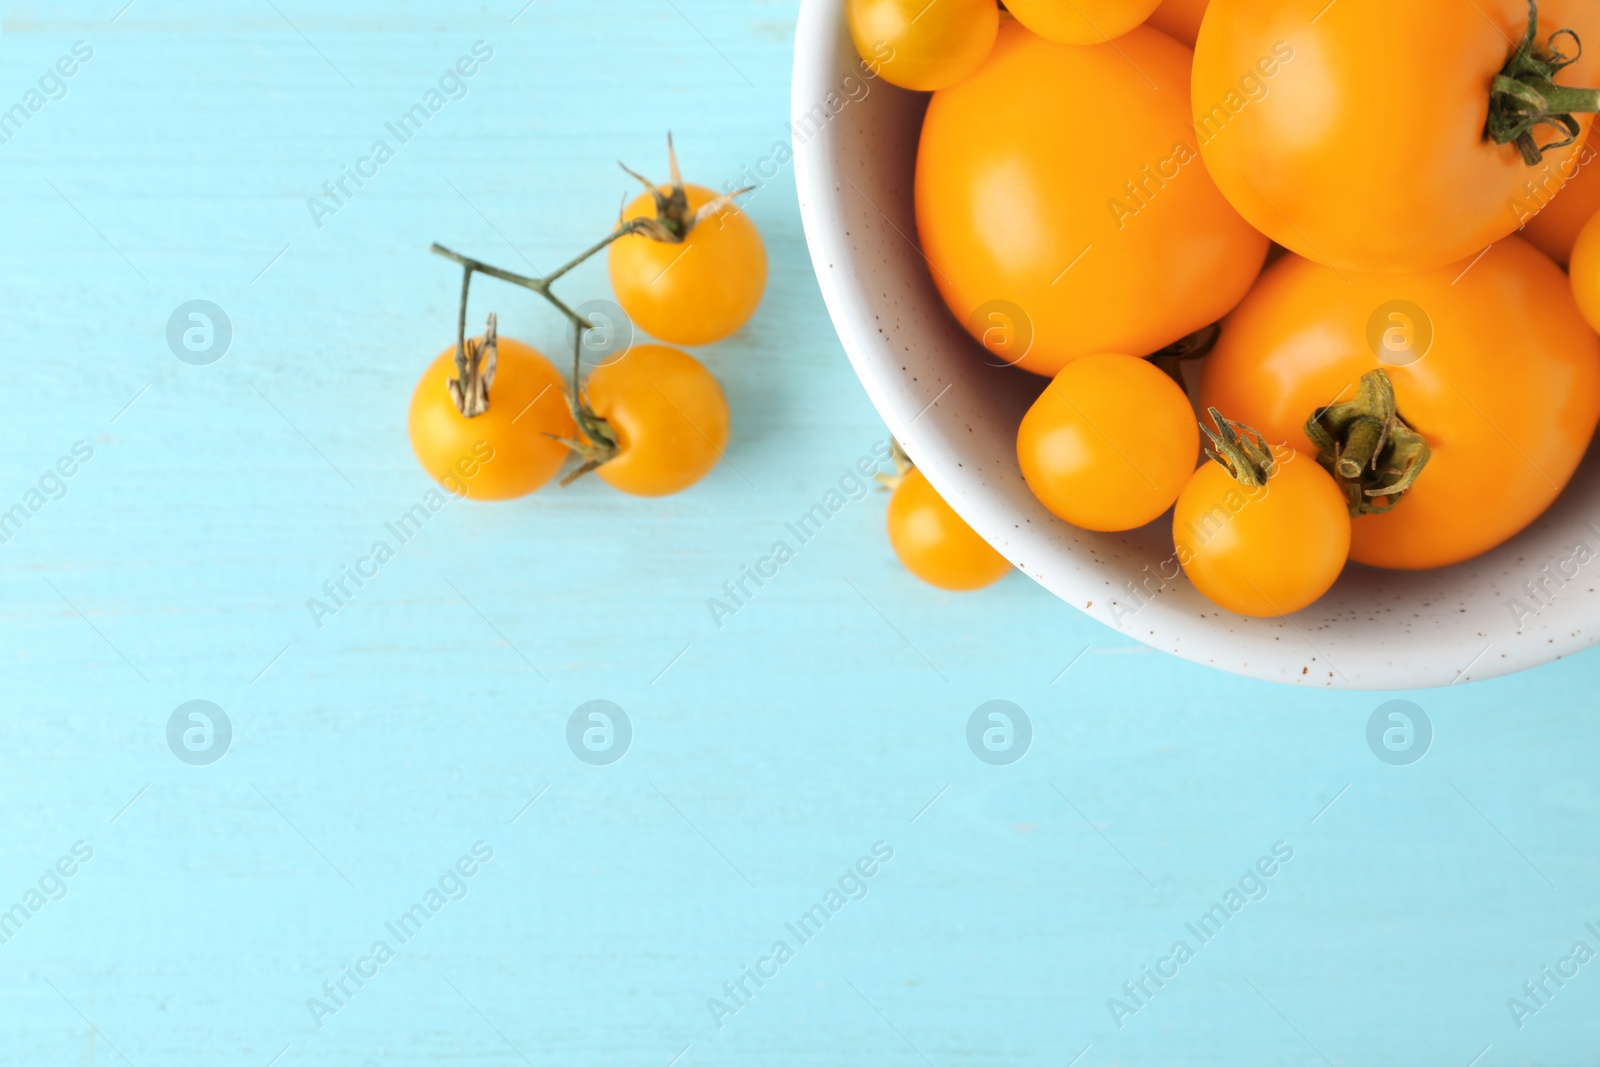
(1490, 363)
(1109, 443)
(1103, 234)
(1262, 531)
(695, 290)
(1354, 133)
(665, 421)
(936, 544)
(921, 45)
(506, 451)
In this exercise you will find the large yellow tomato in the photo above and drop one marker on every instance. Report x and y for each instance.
(1354, 132)
(1490, 362)
(1059, 192)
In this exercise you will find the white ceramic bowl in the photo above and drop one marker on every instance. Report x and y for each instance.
(956, 412)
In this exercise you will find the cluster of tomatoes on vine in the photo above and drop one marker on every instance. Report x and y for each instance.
(1322, 202)
(492, 419)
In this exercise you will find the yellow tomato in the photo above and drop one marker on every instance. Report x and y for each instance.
(695, 291)
(1110, 240)
(1353, 132)
(1264, 550)
(669, 417)
(1109, 444)
(923, 44)
(935, 543)
(506, 451)
(1491, 363)
(1585, 271)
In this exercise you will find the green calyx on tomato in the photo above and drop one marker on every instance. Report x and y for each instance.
(1368, 448)
(1525, 95)
(674, 219)
(1241, 450)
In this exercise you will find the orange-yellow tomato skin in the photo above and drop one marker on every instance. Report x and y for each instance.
(1554, 230)
(1081, 21)
(696, 292)
(1492, 364)
(936, 544)
(920, 45)
(1109, 443)
(1585, 271)
(1353, 134)
(1264, 551)
(1110, 238)
(1180, 19)
(504, 452)
(669, 415)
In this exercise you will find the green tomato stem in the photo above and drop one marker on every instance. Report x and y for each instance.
(1524, 95)
(1373, 455)
(1241, 450)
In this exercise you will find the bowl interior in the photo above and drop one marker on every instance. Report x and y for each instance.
(955, 408)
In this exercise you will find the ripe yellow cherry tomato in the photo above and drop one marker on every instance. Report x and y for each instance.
(695, 291)
(1103, 235)
(1353, 133)
(1081, 21)
(1491, 364)
(1267, 549)
(1180, 19)
(668, 415)
(923, 44)
(935, 543)
(1109, 444)
(1585, 271)
(504, 452)
(1554, 230)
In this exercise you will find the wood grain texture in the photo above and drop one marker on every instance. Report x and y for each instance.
(769, 754)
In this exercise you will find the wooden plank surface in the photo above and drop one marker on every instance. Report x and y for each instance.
(769, 755)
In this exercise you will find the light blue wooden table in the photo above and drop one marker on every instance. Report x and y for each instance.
(818, 735)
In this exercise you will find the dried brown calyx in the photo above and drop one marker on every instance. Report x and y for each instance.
(673, 220)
